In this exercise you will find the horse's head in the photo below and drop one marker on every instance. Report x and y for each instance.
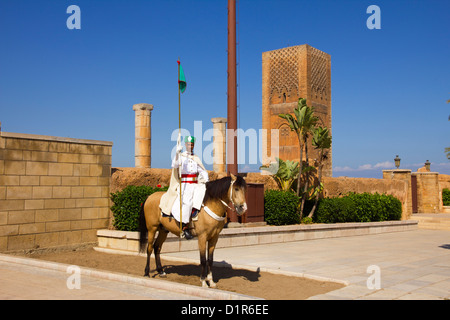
(237, 191)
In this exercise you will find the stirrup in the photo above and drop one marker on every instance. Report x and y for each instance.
(185, 233)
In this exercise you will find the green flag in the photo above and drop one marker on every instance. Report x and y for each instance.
(181, 78)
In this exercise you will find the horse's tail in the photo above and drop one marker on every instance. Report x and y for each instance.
(142, 229)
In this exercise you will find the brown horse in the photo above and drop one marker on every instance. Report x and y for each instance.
(211, 220)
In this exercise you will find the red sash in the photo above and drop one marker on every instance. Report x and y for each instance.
(189, 178)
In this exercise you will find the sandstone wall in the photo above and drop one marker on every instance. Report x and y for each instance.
(336, 187)
(444, 181)
(333, 187)
(123, 177)
(53, 191)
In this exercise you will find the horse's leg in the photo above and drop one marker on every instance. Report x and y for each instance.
(151, 236)
(162, 236)
(211, 247)
(202, 249)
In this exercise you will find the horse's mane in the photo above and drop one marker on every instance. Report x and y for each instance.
(218, 189)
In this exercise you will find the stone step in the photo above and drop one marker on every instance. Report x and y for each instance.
(438, 221)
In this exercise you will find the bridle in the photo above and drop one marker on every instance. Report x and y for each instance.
(216, 217)
(231, 196)
(231, 199)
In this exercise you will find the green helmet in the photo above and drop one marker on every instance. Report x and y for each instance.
(189, 139)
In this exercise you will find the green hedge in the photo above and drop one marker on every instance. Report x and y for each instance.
(354, 207)
(335, 210)
(280, 208)
(127, 205)
(446, 197)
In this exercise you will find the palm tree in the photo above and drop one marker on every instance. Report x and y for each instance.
(284, 172)
(321, 140)
(287, 174)
(303, 124)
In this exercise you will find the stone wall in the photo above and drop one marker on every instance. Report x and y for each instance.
(403, 175)
(123, 177)
(395, 182)
(336, 187)
(53, 191)
(333, 187)
(444, 182)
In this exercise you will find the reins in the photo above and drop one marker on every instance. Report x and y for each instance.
(231, 196)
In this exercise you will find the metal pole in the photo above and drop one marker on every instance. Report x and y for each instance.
(179, 136)
(232, 165)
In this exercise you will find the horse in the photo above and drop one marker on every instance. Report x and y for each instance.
(211, 220)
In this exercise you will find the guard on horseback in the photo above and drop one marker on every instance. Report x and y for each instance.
(189, 174)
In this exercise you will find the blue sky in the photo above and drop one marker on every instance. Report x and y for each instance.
(389, 86)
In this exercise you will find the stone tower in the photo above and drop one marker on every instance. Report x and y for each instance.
(287, 75)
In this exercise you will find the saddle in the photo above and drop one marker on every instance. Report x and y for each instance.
(194, 214)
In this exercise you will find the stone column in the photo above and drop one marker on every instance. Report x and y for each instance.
(142, 146)
(429, 198)
(219, 144)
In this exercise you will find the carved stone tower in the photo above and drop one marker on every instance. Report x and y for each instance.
(287, 75)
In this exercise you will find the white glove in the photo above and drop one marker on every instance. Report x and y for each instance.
(179, 146)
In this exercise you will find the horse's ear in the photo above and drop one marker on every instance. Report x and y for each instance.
(233, 177)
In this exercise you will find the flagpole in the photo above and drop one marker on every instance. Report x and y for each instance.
(179, 136)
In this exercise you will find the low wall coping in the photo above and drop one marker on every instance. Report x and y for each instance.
(134, 235)
(425, 173)
(53, 138)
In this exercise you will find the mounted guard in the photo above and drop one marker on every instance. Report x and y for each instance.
(189, 174)
(189, 191)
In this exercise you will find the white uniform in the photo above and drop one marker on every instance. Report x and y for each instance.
(192, 192)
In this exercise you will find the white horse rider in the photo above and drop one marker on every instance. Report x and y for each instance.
(193, 179)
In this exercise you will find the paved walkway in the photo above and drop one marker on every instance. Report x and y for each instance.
(411, 265)
(25, 282)
(31, 279)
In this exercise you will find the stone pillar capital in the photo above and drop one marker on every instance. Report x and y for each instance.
(219, 120)
(142, 106)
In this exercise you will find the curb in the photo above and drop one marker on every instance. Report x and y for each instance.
(206, 293)
(223, 264)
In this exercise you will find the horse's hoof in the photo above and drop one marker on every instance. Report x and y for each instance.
(163, 275)
(147, 275)
(204, 284)
(212, 284)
